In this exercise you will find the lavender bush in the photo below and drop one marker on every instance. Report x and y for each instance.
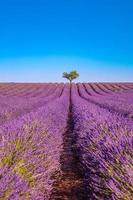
(105, 146)
(30, 151)
(33, 121)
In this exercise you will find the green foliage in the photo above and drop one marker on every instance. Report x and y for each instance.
(71, 76)
(7, 160)
(22, 170)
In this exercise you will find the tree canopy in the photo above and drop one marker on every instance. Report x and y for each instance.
(71, 76)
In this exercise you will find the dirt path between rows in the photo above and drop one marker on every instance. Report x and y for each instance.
(70, 184)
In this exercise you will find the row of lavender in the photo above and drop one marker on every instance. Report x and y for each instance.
(25, 89)
(31, 141)
(105, 148)
(11, 107)
(121, 102)
(99, 91)
(31, 90)
(30, 151)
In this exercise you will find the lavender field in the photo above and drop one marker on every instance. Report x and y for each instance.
(66, 141)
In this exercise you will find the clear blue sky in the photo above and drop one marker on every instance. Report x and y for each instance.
(38, 37)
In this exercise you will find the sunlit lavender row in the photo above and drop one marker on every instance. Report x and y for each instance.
(35, 119)
(105, 147)
(30, 150)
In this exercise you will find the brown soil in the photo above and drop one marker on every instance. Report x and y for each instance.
(69, 185)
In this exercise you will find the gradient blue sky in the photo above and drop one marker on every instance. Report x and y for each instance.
(39, 39)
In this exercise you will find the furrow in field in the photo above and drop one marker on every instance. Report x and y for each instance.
(99, 89)
(94, 88)
(16, 89)
(112, 106)
(23, 89)
(90, 90)
(69, 185)
(117, 87)
(31, 147)
(122, 87)
(103, 85)
(129, 85)
(102, 89)
(107, 86)
(114, 96)
(10, 113)
(105, 147)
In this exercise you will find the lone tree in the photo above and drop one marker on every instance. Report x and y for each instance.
(71, 76)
